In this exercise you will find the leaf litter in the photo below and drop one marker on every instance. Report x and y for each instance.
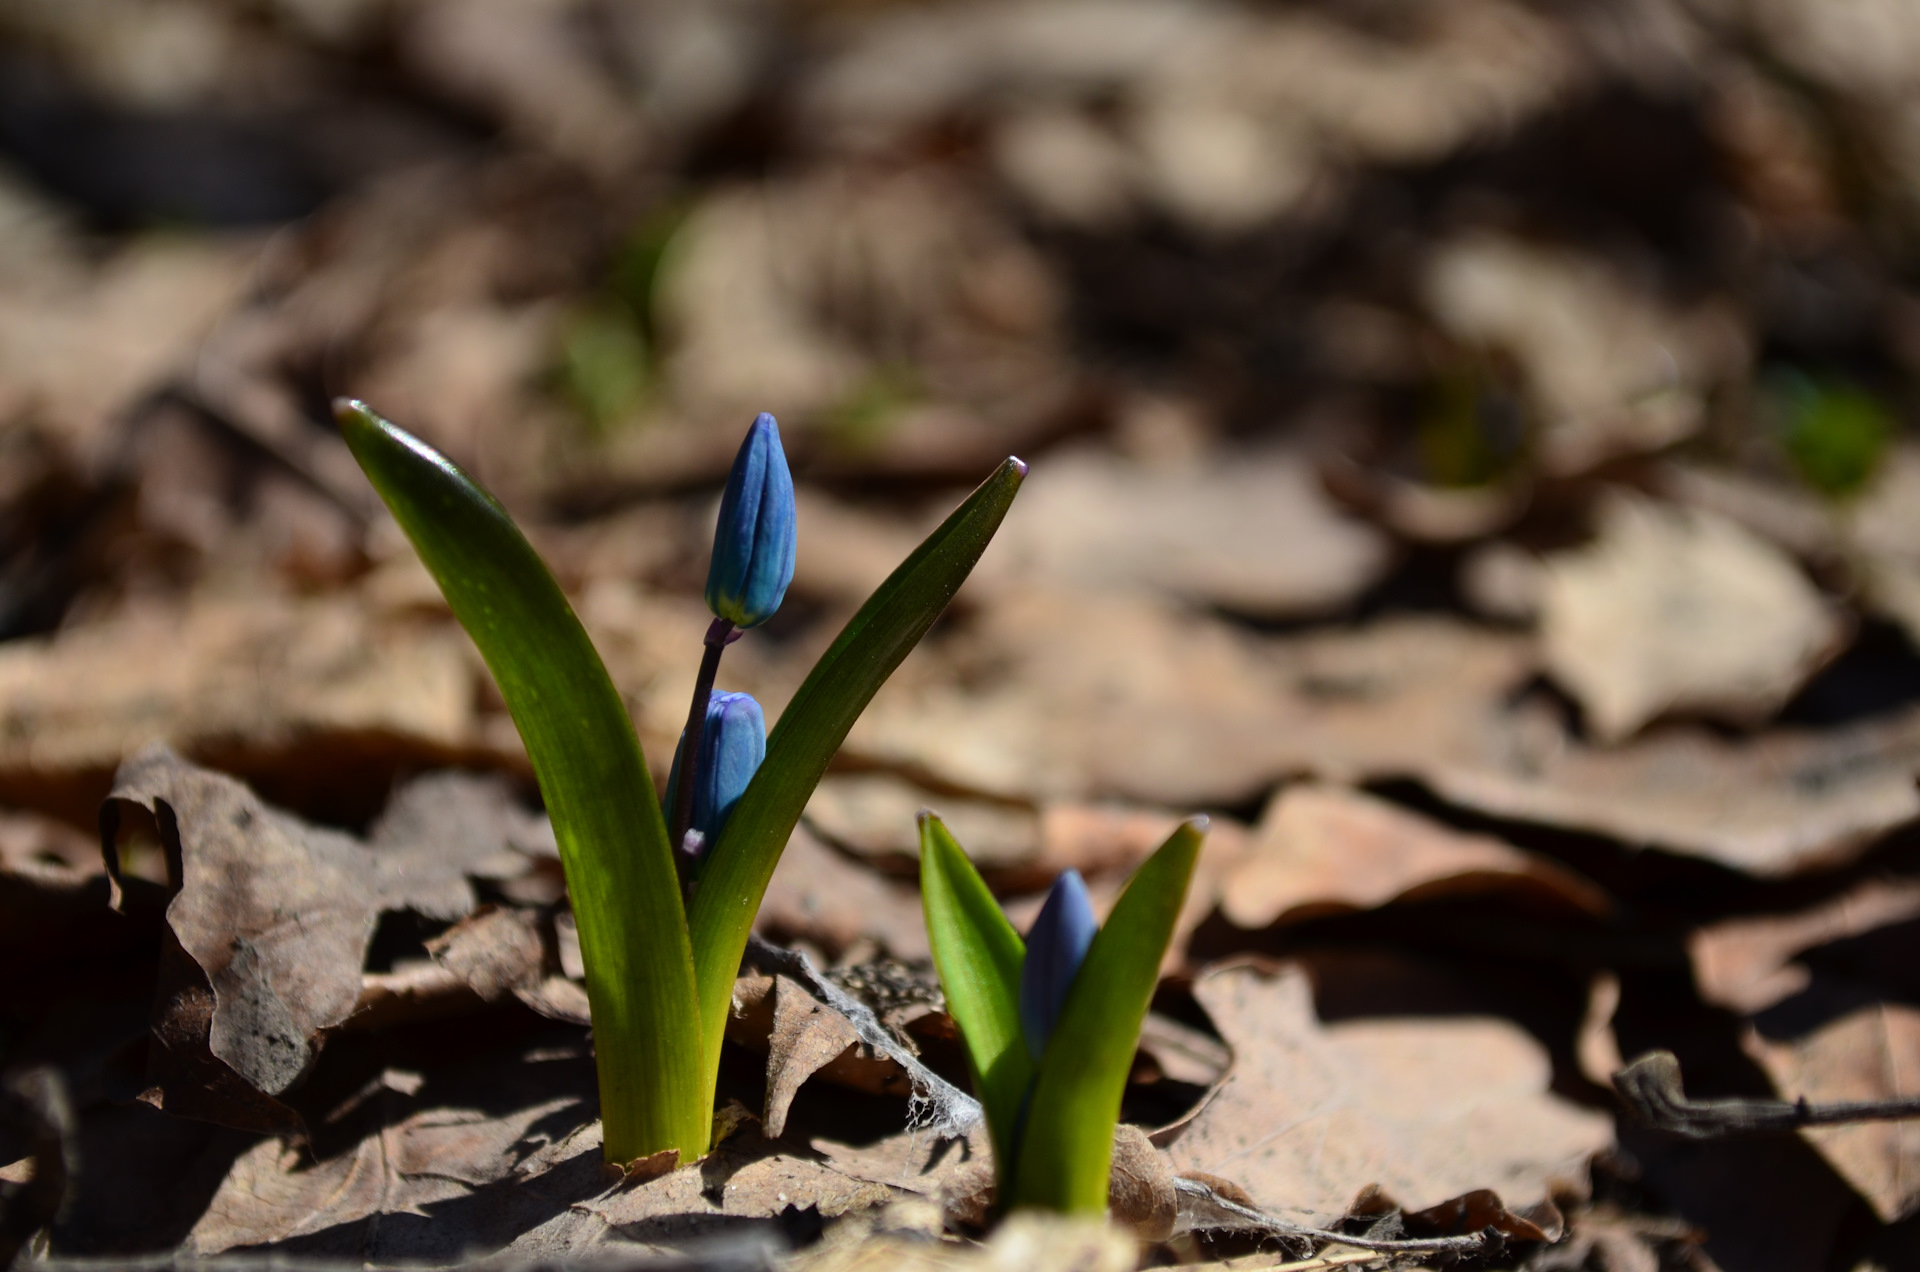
(1410, 493)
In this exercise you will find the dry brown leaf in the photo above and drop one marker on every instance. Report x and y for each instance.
(1673, 610)
(1426, 1108)
(79, 352)
(496, 952)
(807, 1037)
(532, 70)
(1826, 993)
(1788, 801)
(256, 677)
(1048, 698)
(1884, 527)
(1322, 849)
(811, 292)
(844, 551)
(1611, 369)
(876, 816)
(1288, 83)
(819, 896)
(1247, 532)
(1058, 696)
(420, 1159)
(267, 934)
(1790, 517)
(501, 1152)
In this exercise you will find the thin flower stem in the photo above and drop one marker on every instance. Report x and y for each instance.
(719, 635)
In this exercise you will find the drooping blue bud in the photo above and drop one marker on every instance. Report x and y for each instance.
(1056, 947)
(753, 546)
(732, 743)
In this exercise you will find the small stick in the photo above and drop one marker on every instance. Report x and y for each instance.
(720, 634)
(1203, 1208)
(1650, 1088)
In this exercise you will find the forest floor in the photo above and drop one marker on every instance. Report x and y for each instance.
(1469, 460)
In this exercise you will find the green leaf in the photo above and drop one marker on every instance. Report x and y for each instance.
(978, 956)
(613, 842)
(734, 876)
(1067, 1148)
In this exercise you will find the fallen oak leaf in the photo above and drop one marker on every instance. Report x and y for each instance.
(1680, 610)
(500, 951)
(1427, 1108)
(265, 936)
(807, 1037)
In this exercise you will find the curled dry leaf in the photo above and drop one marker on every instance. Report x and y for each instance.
(1427, 1109)
(267, 932)
(1827, 995)
(1321, 849)
(1674, 610)
(499, 951)
(809, 1037)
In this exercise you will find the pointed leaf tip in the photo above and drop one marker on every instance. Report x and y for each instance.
(1019, 464)
(1200, 823)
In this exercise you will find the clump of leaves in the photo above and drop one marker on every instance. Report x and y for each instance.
(664, 915)
(1051, 1023)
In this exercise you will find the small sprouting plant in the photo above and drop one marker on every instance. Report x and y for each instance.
(1833, 430)
(664, 914)
(1051, 1023)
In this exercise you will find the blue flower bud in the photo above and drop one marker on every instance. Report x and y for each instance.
(732, 743)
(1056, 947)
(753, 545)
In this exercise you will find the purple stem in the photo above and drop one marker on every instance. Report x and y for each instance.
(719, 635)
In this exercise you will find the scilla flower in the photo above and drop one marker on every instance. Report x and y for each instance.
(753, 546)
(1056, 947)
(732, 745)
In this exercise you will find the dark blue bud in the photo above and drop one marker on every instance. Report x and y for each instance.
(1056, 947)
(732, 743)
(753, 545)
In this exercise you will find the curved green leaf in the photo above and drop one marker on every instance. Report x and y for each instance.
(1066, 1151)
(978, 955)
(613, 843)
(734, 876)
